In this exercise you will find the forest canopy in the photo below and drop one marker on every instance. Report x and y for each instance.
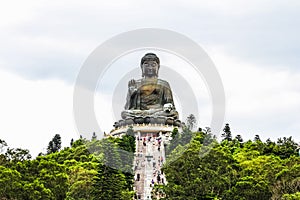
(203, 168)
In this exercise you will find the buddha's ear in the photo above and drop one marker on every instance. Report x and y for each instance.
(143, 73)
(158, 69)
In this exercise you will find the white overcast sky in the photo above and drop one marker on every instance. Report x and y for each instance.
(254, 45)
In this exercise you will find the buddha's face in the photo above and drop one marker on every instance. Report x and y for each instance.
(150, 68)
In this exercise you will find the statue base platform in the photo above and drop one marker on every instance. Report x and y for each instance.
(143, 130)
(148, 120)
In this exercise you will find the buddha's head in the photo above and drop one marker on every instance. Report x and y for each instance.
(150, 65)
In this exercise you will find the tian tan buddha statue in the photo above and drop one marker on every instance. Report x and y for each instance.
(149, 99)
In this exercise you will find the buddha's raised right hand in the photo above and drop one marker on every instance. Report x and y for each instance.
(131, 83)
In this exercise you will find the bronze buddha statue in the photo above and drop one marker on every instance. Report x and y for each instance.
(149, 99)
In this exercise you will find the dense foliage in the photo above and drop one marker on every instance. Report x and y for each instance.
(204, 168)
(198, 167)
(81, 171)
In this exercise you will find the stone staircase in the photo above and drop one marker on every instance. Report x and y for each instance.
(149, 157)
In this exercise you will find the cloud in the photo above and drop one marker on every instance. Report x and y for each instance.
(32, 112)
(254, 44)
(13, 13)
(56, 37)
(260, 100)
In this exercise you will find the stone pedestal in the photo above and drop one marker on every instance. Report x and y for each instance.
(143, 130)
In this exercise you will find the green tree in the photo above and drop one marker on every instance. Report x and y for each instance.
(10, 183)
(191, 121)
(94, 136)
(54, 145)
(287, 181)
(110, 184)
(17, 154)
(70, 173)
(295, 196)
(199, 171)
(270, 147)
(257, 138)
(286, 147)
(174, 132)
(227, 133)
(71, 142)
(36, 191)
(53, 176)
(207, 130)
(239, 138)
(81, 180)
(3, 158)
(248, 188)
